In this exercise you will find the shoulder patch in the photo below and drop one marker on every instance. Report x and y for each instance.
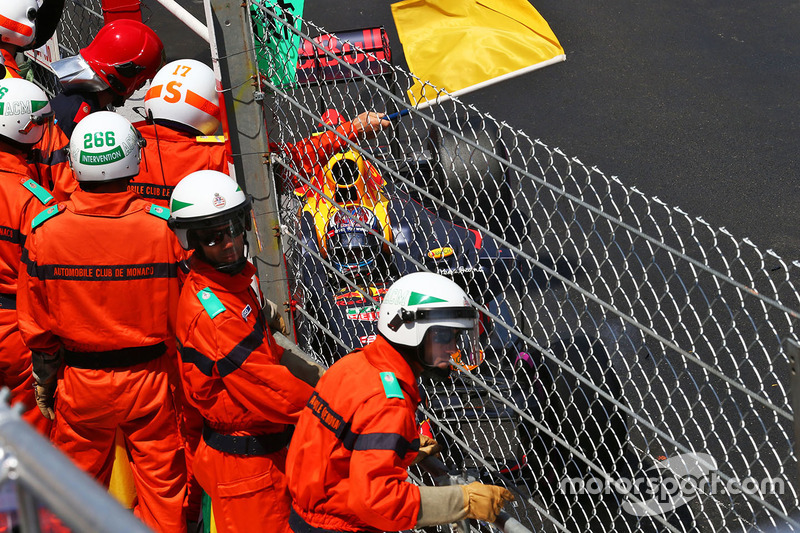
(47, 214)
(83, 112)
(158, 211)
(391, 387)
(210, 302)
(41, 194)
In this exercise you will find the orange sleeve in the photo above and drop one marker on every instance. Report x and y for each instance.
(51, 164)
(307, 153)
(32, 304)
(246, 363)
(380, 494)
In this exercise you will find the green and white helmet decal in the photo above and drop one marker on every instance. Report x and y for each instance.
(421, 300)
(24, 111)
(408, 297)
(104, 147)
(201, 198)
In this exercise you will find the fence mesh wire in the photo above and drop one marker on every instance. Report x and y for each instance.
(634, 375)
(80, 21)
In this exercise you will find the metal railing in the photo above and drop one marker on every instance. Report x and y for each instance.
(45, 476)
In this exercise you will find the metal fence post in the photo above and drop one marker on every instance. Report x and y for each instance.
(231, 34)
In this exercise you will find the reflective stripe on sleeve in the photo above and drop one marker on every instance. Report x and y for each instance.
(241, 352)
(9, 234)
(190, 355)
(353, 441)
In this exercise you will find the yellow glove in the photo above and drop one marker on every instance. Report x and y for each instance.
(427, 447)
(484, 502)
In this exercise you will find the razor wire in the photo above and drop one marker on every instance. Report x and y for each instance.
(625, 340)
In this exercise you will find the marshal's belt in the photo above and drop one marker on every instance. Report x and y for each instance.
(8, 301)
(114, 358)
(247, 444)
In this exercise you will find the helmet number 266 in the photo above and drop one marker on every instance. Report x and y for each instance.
(99, 139)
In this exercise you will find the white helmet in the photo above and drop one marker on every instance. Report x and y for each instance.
(423, 301)
(184, 92)
(24, 111)
(204, 199)
(18, 22)
(105, 146)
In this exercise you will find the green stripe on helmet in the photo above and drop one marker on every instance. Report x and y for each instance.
(177, 205)
(418, 299)
(115, 154)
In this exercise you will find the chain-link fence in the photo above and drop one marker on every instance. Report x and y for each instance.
(634, 377)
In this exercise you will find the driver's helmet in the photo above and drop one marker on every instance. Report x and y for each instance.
(424, 303)
(25, 111)
(18, 22)
(183, 93)
(123, 55)
(105, 146)
(207, 199)
(353, 240)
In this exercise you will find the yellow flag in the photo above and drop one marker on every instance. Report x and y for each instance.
(462, 45)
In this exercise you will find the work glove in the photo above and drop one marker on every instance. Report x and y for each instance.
(298, 362)
(440, 505)
(274, 317)
(45, 399)
(484, 502)
(45, 377)
(427, 447)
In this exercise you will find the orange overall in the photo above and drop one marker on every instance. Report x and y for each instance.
(171, 155)
(101, 283)
(167, 158)
(232, 373)
(20, 200)
(347, 465)
(12, 70)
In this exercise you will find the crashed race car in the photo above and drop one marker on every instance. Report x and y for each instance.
(368, 236)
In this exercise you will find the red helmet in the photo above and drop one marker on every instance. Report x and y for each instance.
(125, 54)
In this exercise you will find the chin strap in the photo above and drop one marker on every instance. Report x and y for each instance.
(434, 373)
